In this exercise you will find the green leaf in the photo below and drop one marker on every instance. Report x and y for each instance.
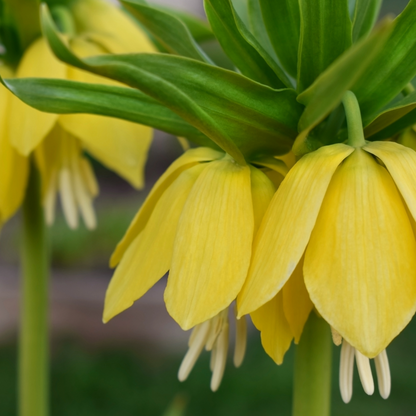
(365, 16)
(65, 97)
(169, 31)
(271, 61)
(326, 32)
(282, 21)
(392, 119)
(227, 107)
(393, 68)
(247, 58)
(326, 93)
(258, 28)
(199, 29)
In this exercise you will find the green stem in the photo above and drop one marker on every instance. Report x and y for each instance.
(354, 122)
(312, 385)
(33, 343)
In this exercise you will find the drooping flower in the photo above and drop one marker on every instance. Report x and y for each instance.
(59, 141)
(350, 212)
(197, 223)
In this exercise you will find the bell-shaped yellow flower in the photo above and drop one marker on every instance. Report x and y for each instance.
(120, 145)
(197, 223)
(351, 212)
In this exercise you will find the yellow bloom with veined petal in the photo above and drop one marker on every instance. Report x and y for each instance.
(198, 224)
(347, 210)
(120, 145)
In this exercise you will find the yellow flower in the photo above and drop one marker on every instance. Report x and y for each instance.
(13, 166)
(198, 224)
(59, 141)
(351, 212)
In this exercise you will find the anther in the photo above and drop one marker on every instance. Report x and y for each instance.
(383, 374)
(346, 371)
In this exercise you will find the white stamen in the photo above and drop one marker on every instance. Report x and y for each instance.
(364, 371)
(194, 351)
(216, 325)
(49, 201)
(240, 341)
(82, 195)
(346, 371)
(89, 177)
(220, 358)
(336, 337)
(212, 359)
(383, 374)
(68, 198)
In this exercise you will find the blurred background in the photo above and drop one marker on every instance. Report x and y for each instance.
(129, 366)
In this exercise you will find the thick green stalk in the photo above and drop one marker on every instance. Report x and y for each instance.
(312, 385)
(354, 121)
(33, 342)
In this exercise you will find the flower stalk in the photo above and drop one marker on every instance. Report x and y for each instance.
(354, 121)
(33, 342)
(313, 360)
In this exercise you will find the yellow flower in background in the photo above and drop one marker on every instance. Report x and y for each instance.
(351, 212)
(59, 141)
(13, 166)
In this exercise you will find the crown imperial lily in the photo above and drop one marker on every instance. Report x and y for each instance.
(198, 224)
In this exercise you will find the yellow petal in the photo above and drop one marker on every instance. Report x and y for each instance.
(401, 164)
(149, 256)
(27, 126)
(262, 191)
(296, 302)
(212, 246)
(360, 265)
(187, 160)
(287, 225)
(276, 335)
(13, 167)
(121, 34)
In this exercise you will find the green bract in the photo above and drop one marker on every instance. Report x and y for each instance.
(294, 60)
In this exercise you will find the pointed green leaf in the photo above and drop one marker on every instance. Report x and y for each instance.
(282, 21)
(227, 107)
(169, 31)
(325, 34)
(65, 97)
(268, 57)
(199, 29)
(246, 58)
(258, 28)
(326, 93)
(365, 16)
(392, 119)
(394, 67)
